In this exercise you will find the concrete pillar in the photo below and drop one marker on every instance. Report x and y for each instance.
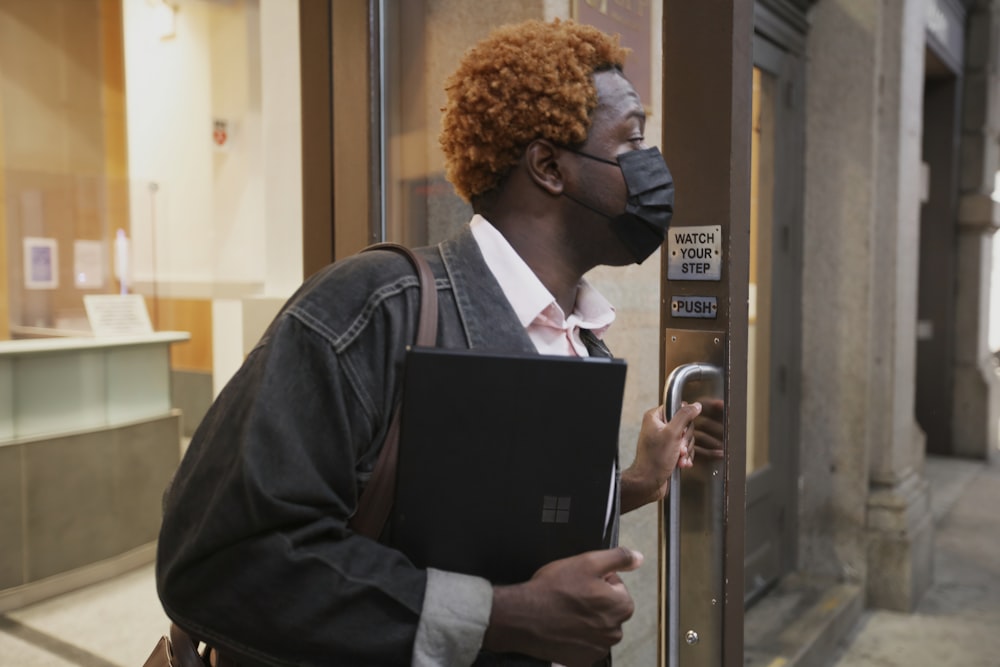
(843, 59)
(899, 517)
(976, 394)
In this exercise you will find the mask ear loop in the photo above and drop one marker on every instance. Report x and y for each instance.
(580, 201)
(613, 163)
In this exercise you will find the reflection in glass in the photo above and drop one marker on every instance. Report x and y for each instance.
(761, 230)
(422, 47)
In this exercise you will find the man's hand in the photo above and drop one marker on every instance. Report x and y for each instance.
(662, 446)
(570, 612)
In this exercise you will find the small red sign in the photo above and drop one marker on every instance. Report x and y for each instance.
(219, 133)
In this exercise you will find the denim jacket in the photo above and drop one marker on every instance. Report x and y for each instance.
(255, 556)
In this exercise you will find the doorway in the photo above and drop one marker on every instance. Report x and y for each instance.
(938, 255)
(774, 317)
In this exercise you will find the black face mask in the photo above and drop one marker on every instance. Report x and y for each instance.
(642, 228)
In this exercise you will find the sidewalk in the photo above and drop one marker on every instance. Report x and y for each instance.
(957, 624)
(116, 623)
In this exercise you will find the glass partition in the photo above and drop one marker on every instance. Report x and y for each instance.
(154, 148)
(63, 244)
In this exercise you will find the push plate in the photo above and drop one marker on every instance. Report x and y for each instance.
(692, 636)
(695, 253)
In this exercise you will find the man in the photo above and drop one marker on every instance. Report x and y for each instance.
(543, 134)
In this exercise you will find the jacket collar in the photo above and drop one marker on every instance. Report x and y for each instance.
(487, 317)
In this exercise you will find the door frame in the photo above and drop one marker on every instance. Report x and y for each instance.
(338, 56)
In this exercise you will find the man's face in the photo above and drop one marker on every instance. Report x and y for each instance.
(617, 125)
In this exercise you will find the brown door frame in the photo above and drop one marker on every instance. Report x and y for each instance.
(707, 76)
(336, 63)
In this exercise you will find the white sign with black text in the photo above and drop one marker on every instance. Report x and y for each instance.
(117, 314)
(695, 253)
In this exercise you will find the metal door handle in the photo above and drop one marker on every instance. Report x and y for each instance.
(672, 398)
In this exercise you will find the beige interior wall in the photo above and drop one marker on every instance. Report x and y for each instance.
(54, 147)
(51, 85)
(112, 82)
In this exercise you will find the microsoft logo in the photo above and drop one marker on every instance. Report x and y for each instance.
(555, 509)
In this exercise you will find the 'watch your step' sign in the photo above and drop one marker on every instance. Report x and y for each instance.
(695, 253)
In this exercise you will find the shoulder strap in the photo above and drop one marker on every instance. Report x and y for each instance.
(376, 501)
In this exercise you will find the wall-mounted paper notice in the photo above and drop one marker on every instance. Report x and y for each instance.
(41, 263)
(117, 314)
(88, 264)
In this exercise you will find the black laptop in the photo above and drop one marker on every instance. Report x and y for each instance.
(505, 462)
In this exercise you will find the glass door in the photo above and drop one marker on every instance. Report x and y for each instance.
(774, 314)
(416, 45)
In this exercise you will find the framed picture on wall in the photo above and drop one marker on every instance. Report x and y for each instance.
(41, 263)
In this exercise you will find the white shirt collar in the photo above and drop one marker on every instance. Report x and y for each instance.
(526, 293)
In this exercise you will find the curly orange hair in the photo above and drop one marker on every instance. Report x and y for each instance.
(523, 82)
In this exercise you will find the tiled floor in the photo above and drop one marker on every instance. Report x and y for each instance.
(112, 624)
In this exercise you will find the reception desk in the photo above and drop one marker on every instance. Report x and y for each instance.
(88, 443)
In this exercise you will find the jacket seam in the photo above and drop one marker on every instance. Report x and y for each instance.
(342, 341)
(460, 305)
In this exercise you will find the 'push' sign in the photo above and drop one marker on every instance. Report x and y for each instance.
(695, 253)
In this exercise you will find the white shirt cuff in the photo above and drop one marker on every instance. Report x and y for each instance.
(453, 619)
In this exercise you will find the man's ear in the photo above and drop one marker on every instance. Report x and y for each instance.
(541, 160)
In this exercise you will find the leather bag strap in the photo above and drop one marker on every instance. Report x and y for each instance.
(182, 650)
(377, 499)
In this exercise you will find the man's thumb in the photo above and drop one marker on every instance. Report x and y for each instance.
(620, 559)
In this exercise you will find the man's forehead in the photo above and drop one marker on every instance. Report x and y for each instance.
(615, 93)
